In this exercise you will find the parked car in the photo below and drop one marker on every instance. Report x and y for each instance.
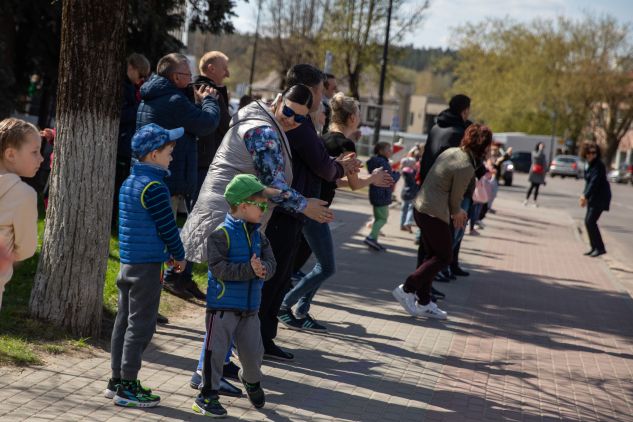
(623, 174)
(566, 165)
(521, 161)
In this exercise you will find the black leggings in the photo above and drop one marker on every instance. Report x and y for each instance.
(534, 186)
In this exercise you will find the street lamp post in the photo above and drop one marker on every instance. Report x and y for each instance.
(383, 75)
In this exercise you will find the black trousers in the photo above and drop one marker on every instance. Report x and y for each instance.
(284, 234)
(534, 187)
(591, 223)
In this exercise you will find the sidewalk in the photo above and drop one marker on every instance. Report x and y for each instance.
(537, 332)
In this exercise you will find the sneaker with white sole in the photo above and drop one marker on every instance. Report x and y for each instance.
(406, 300)
(429, 310)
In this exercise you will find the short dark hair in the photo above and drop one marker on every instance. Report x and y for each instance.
(380, 147)
(459, 103)
(305, 74)
(299, 94)
(167, 64)
(477, 139)
(537, 145)
(326, 81)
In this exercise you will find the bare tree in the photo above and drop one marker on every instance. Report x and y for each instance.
(68, 286)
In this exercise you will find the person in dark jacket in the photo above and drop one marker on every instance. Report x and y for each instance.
(537, 172)
(138, 70)
(380, 197)
(447, 133)
(214, 69)
(310, 163)
(596, 196)
(165, 103)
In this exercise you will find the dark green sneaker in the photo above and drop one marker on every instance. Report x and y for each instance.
(254, 392)
(110, 390)
(286, 317)
(209, 406)
(132, 394)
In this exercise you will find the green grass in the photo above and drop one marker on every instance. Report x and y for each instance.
(26, 341)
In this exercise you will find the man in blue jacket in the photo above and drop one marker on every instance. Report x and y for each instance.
(165, 103)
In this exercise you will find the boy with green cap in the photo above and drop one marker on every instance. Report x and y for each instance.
(240, 260)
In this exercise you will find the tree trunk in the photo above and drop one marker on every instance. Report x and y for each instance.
(354, 82)
(7, 58)
(68, 286)
(613, 142)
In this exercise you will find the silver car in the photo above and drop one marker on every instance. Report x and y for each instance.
(566, 165)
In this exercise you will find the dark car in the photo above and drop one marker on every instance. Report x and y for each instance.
(522, 161)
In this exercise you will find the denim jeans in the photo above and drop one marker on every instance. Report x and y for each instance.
(227, 359)
(319, 238)
(458, 234)
(406, 216)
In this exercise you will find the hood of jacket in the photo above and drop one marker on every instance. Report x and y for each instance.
(158, 86)
(8, 181)
(448, 118)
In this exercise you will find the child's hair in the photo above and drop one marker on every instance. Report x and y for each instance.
(13, 133)
(258, 195)
(159, 149)
(381, 147)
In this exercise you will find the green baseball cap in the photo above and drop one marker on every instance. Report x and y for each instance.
(241, 187)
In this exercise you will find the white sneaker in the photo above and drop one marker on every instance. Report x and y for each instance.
(429, 311)
(480, 224)
(406, 300)
(525, 203)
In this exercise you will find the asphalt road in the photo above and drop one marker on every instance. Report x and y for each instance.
(616, 225)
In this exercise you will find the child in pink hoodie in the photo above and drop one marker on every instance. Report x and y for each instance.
(20, 156)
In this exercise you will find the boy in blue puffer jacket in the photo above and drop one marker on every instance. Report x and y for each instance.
(240, 260)
(380, 198)
(148, 236)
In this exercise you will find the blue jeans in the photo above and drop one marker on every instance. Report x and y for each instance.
(319, 239)
(406, 215)
(227, 359)
(458, 234)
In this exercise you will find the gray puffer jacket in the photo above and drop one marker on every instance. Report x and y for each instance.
(231, 159)
(538, 158)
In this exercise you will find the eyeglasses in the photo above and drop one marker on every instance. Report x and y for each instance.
(185, 74)
(262, 205)
(288, 112)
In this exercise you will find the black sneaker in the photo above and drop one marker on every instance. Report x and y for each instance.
(459, 272)
(196, 380)
(209, 406)
(441, 278)
(191, 287)
(230, 370)
(597, 253)
(226, 388)
(288, 320)
(132, 394)
(161, 319)
(589, 252)
(174, 287)
(372, 244)
(308, 323)
(110, 390)
(273, 351)
(437, 293)
(254, 392)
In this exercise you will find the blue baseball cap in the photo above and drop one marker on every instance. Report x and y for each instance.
(151, 137)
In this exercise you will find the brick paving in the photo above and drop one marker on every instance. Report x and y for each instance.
(536, 333)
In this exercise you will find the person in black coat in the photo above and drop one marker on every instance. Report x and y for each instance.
(596, 196)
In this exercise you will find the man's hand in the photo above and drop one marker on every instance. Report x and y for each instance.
(460, 219)
(381, 178)
(318, 211)
(203, 92)
(350, 163)
(258, 267)
(582, 201)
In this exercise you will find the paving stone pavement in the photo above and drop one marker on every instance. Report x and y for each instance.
(536, 333)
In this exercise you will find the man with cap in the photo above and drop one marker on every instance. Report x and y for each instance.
(148, 237)
(240, 260)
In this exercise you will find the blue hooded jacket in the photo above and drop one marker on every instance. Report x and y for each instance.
(166, 105)
(379, 197)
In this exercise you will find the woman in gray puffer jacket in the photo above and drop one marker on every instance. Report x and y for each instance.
(537, 172)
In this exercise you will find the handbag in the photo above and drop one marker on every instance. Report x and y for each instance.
(480, 195)
(537, 169)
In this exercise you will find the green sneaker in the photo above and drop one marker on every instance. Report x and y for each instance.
(132, 394)
(209, 406)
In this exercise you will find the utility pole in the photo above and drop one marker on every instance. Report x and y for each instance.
(383, 75)
(250, 80)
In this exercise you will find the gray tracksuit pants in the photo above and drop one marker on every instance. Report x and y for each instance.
(139, 296)
(244, 330)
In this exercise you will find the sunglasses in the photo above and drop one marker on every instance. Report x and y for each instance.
(591, 152)
(288, 112)
(262, 205)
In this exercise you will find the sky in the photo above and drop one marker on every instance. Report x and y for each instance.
(444, 15)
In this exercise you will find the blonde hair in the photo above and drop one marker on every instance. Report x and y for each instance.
(343, 107)
(13, 133)
(210, 57)
(140, 63)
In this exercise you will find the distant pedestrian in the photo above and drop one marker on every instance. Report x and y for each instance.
(409, 189)
(19, 157)
(380, 197)
(148, 237)
(537, 172)
(596, 196)
(438, 202)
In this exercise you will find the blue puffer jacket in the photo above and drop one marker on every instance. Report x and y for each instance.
(379, 197)
(138, 237)
(167, 106)
(243, 296)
